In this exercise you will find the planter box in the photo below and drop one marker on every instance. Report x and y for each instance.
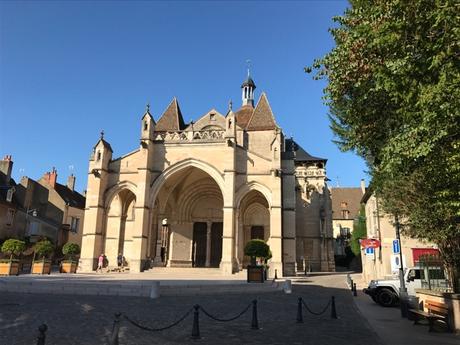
(256, 274)
(69, 267)
(9, 268)
(41, 267)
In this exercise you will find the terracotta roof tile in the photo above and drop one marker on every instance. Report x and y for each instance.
(243, 115)
(262, 118)
(350, 196)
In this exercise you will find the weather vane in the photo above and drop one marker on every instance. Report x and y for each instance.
(248, 65)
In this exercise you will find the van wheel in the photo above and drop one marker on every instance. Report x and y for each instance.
(386, 298)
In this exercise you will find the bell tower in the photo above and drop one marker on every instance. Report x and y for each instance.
(248, 88)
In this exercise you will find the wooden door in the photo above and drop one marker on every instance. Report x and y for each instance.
(199, 244)
(216, 243)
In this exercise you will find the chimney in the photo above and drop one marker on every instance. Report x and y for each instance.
(51, 177)
(71, 182)
(363, 186)
(6, 165)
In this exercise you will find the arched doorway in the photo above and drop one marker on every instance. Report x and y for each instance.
(192, 203)
(253, 222)
(119, 225)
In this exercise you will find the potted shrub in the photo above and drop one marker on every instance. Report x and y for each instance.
(11, 247)
(257, 250)
(69, 265)
(43, 265)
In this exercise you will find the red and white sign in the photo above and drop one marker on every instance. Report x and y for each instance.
(370, 243)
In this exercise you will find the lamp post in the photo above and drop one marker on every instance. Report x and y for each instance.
(34, 214)
(402, 283)
(164, 241)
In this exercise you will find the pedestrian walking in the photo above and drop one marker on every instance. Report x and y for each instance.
(100, 262)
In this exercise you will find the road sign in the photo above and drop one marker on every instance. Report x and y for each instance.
(396, 247)
(369, 251)
(370, 243)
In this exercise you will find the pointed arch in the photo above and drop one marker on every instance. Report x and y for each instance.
(253, 185)
(179, 166)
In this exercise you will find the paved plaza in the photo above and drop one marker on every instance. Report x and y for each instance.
(87, 319)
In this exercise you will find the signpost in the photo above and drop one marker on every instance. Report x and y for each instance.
(396, 247)
(370, 243)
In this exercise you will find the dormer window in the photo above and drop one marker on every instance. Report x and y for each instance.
(212, 117)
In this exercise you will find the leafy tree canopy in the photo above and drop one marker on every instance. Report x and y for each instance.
(13, 247)
(394, 97)
(44, 248)
(359, 232)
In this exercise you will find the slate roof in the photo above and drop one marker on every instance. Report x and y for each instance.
(300, 154)
(105, 144)
(172, 119)
(71, 197)
(249, 82)
(352, 196)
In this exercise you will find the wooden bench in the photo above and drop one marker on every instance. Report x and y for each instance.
(436, 312)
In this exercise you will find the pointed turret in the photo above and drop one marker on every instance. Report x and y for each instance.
(248, 88)
(172, 119)
(262, 118)
(148, 125)
(230, 123)
(102, 154)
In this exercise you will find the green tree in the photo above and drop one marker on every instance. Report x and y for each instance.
(394, 97)
(359, 232)
(13, 247)
(71, 249)
(44, 248)
(257, 249)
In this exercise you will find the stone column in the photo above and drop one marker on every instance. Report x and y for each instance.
(157, 260)
(208, 244)
(226, 264)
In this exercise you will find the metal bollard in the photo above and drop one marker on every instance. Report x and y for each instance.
(41, 334)
(196, 322)
(351, 284)
(333, 311)
(354, 290)
(299, 311)
(115, 329)
(255, 321)
(155, 290)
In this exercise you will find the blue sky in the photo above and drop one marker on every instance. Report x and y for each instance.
(70, 69)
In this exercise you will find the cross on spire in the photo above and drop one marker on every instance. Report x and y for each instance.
(102, 134)
(230, 105)
(147, 108)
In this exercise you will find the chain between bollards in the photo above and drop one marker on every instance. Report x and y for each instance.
(333, 310)
(196, 322)
(41, 334)
(115, 329)
(255, 321)
(299, 311)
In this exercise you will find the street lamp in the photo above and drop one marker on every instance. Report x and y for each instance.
(164, 240)
(402, 283)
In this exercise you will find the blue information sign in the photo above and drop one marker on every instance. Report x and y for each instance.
(369, 251)
(396, 247)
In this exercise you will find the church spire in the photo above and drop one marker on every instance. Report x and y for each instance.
(248, 88)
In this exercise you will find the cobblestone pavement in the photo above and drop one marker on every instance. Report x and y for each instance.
(88, 319)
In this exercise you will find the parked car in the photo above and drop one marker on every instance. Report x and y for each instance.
(386, 292)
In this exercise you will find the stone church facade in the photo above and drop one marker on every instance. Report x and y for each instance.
(192, 195)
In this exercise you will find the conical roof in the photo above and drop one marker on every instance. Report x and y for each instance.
(262, 118)
(249, 82)
(172, 119)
